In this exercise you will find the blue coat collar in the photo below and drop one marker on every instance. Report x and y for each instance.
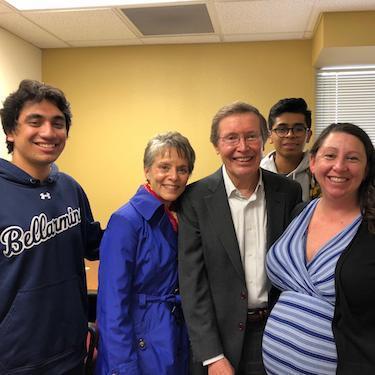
(152, 210)
(145, 203)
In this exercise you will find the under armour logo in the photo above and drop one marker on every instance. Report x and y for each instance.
(45, 195)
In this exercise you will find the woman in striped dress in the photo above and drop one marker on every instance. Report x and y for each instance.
(303, 263)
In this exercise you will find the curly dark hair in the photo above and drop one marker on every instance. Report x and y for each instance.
(34, 92)
(366, 192)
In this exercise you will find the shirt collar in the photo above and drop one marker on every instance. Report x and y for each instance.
(231, 189)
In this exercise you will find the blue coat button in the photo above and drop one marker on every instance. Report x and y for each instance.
(141, 344)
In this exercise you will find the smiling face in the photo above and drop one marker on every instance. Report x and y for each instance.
(242, 160)
(168, 175)
(291, 145)
(39, 138)
(340, 166)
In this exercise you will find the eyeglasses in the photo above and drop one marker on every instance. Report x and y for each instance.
(297, 130)
(234, 139)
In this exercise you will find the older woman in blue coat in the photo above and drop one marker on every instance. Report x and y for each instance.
(139, 314)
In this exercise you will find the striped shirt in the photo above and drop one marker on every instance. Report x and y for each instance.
(298, 337)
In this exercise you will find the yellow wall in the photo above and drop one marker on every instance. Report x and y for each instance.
(318, 40)
(343, 30)
(122, 96)
(18, 60)
(349, 29)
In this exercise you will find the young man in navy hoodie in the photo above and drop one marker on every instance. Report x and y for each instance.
(46, 230)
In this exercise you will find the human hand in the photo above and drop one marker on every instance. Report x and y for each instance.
(221, 367)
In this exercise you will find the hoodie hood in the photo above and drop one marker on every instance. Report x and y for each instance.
(268, 163)
(11, 172)
(301, 174)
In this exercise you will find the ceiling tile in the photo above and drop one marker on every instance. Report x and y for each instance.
(230, 21)
(273, 16)
(26, 30)
(104, 43)
(4, 9)
(100, 24)
(262, 37)
(344, 5)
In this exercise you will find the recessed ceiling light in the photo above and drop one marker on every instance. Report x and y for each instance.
(73, 4)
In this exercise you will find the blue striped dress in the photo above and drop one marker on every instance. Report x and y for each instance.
(298, 337)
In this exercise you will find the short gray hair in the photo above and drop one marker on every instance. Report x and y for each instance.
(232, 109)
(165, 141)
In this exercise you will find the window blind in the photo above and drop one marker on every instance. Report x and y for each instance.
(346, 95)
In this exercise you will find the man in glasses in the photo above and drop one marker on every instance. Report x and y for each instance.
(228, 221)
(289, 122)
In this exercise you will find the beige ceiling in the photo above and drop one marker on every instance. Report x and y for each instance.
(214, 20)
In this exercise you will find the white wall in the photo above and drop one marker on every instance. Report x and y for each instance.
(18, 60)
